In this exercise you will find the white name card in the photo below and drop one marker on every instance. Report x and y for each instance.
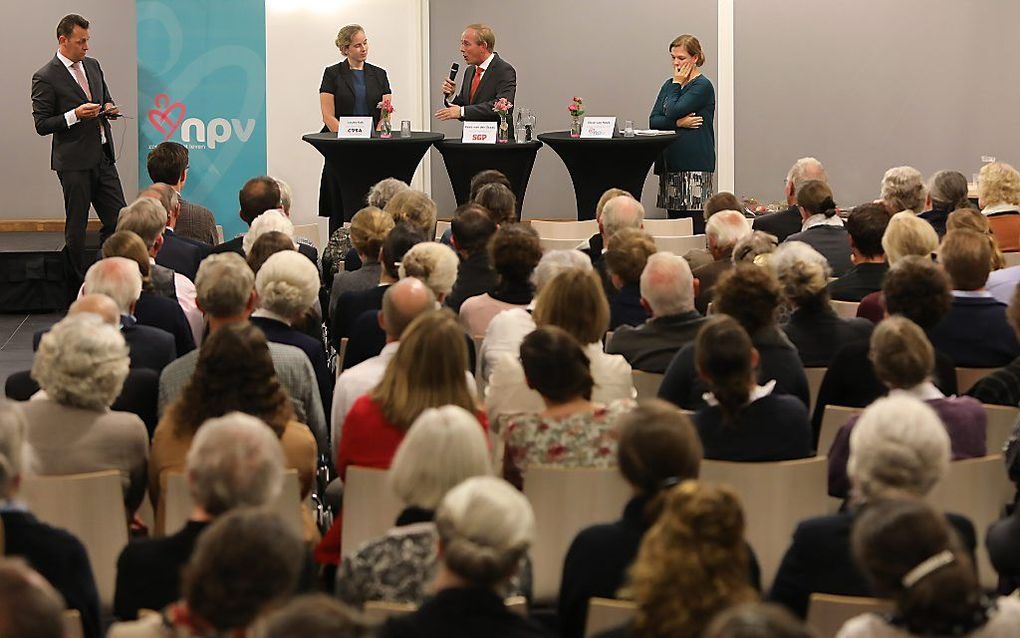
(598, 127)
(354, 128)
(479, 132)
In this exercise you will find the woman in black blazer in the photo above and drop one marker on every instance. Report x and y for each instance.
(352, 87)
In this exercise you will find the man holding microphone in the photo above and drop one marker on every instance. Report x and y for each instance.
(488, 79)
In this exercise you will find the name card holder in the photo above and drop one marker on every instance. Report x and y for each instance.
(598, 128)
(353, 128)
(479, 133)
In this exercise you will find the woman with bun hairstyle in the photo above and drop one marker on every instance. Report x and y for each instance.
(947, 191)
(822, 228)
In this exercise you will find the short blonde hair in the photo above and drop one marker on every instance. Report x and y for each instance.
(907, 234)
(998, 183)
(369, 228)
(443, 447)
(691, 45)
(287, 284)
(434, 263)
(574, 301)
(483, 35)
(903, 189)
(802, 271)
(345, 35)
(486, 527)
(271, 220)
(627, 252)
(82, 362)
(901, 353)
(415, 207)
(971, 219)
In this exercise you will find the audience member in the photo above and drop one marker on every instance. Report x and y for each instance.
(1002, 534)
(235, 461)
(668, 290)
(823, 229)
(999, 198)
(234, 373)
(866, 226)
(1002, 387)
(267, 245)
(898, 448)
(483, 178)
(573, 301)
(151, 309)
(314, 616)
(514, 252)
(81, 366)
(903, 189)
(472, 228)
(485, 527)
(256, 196)
(245, 564)
(168, 163)
(619, 212)
(813, 326)
(757, 620)
(29, 606)
(226, 294)
(904, 361)
(57, 555)
(179, 254)
(368, 230)
(268, 222)
(947, 191)
(414, 207)
(340, 249)
(905, 235)
(971, 219)
(698, 539)
(756, 248)
(751, 295)
(724, 230)
(784, 223)
(627, 253)
(912, 557)
(597, 242)
(975, 332)
(443, 447)
(571, 431)
(719, 202)
(499, 201)
(744, 421)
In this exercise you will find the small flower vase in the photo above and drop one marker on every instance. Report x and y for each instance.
(575, 126)
(503, 136)
(386, 130)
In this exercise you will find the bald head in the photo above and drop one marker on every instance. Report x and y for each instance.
(402, 303)
(803, 170)
(622, 211)
(97, 304)
(724, 230)
(168, 197)
(117, 278)
(667, 285)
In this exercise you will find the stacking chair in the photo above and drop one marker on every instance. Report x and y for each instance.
(370, 507)
(646, 383)
(178, 502)
(669, 227)
(72, 624)
(606, 613)
(814, 380)
(680, 245)
(311, 233)
(846, 309)
(967, 377)
(834, 417)
(442, 226)
(827, 612)
(558, 243)
(565, 229)
(1002, 420)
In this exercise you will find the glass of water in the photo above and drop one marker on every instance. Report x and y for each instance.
(405, 128)
(628, 128)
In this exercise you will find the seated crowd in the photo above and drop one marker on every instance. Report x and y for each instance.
(257, 375)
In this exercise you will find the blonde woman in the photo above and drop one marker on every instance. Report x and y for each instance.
(906, 235)
(351, 87)
(999, 199)
(369, 228)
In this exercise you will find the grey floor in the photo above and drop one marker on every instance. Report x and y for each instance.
(16, 341)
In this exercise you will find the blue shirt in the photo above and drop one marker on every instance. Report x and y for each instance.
(360, 103)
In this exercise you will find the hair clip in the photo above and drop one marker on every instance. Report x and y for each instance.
(668, 482)
(927, 567)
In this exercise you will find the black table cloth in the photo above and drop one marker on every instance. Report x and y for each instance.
(357, 164)
(464, 161)
(596, 165)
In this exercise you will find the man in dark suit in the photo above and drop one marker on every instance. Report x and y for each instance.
(168, 164)
(866, 225)
(723, 230)
(472, 228)
(488, 79)
(177, 253)
(71, 101)
(784, 223)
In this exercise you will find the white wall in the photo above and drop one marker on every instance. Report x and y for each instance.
(299, 45)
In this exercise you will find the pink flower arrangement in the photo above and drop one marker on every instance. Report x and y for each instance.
(502, 106)
(385, 106)
(576, 107)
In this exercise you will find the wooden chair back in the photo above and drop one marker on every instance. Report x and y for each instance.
(834, 417)
(669, 227)
(846, 309)
(680, 245)
(646, 383)
(369, 507)
(179, 503)
(606, 613)
(967, 377)
(827, 612)
(565, 229)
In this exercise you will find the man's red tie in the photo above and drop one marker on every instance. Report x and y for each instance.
(474, 82)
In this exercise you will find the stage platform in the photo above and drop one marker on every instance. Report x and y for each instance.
(32, 271)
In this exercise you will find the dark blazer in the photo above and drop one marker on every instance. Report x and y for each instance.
(149, 347)
(60, 558)
(350, 306)
(597, 561)
(707, 275)
(1001, 387)
(475, 276)
(832, 242)
(781, 223)
(181, 254)
(819, 332)
(976, 333)
(779, 361)
(773, 428)
(1004, 551)
(54, 93)
(938, 220)
(498, 81)
(236, 245)
(860, 281)
(338, 80)
(694, 149)
(651, 346)
(462, 613)
(140, 394)
(149, 571)
(165, 314)
(820, 560)
(625, 307)
(367, 340)
(280, 332)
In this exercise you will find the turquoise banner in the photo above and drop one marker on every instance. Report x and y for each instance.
(202, 83)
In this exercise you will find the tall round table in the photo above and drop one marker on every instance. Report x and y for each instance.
(464, 161)
(596, 165)
(359, 163)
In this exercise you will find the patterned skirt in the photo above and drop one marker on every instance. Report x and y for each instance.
(684, 190)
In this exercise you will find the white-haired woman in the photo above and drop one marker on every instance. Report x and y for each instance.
(288, 287)
(435, 264)
(81, 365)
(271, 220)
(813, 326)
(444, 447)
(898, 448)
(485, 528)
(903, 189)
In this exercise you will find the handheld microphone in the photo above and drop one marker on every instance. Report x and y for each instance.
(453, 76)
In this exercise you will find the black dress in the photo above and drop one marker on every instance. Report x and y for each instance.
(338, 80)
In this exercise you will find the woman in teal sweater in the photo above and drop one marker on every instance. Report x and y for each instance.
(686, 104)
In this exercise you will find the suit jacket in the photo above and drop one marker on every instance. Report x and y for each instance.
(818, 333)
(781, 223)
(165, 314)
(776, 427)
(976, 333)
(280, 332)
(181, 254)
(498, 81)
(149, 347)
(625, 307)
(462, 613)
(1004, 551)
(54, 93)
(859, 282)
(338, 81)
(367, 339)
(149, 571)
(707, 275)
(350, 306)
(198, 223)
(831, 242)
(60, 558)
(236, 245)
(652, 345)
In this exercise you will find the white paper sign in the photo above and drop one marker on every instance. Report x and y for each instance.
(354, 128)
(479, 133)
(598, 127)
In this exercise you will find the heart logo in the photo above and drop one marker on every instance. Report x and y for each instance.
(162, 117)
